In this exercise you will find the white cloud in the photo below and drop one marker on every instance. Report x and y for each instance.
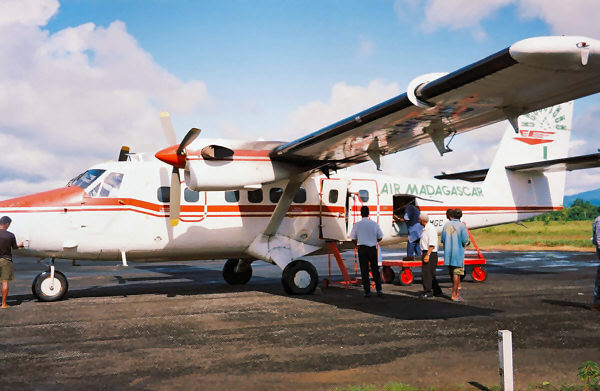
(344, 101)
(574, 17)
(71, 99)
(460, 14)
(366, 48)
(584, 180)
(28, 12)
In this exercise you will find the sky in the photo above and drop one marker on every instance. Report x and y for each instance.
(79, 78)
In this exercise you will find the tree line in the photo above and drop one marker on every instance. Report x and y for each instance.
(579, 210)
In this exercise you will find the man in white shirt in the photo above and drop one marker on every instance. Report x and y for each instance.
(366, 234)
(429, 258)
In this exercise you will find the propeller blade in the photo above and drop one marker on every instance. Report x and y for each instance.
(167, 125)
(123, 153)
(175, 197)
(189, 137)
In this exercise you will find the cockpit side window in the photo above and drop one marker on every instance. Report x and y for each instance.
(109, 186)
(85, 179)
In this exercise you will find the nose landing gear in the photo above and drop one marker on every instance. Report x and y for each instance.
(237, 271)
(50, 285)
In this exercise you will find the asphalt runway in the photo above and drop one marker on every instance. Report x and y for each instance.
(180, 326)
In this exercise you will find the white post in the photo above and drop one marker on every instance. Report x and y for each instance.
(123, 258)
(506, 360)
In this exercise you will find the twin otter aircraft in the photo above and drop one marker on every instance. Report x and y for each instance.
(280, 202)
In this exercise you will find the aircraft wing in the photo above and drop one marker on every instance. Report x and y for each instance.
(527, 76)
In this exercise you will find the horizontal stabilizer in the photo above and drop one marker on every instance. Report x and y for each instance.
(564, 164)
(554, 165)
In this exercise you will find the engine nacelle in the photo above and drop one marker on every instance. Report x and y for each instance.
(412, 89)
(234, 174)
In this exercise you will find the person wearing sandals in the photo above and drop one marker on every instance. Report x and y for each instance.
(454, 239)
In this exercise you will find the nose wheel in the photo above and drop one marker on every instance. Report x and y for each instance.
(50, 285)
(237, 271)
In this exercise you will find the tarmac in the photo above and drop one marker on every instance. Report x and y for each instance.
(179, 326)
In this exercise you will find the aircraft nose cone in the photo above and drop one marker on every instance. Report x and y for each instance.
(169, 155)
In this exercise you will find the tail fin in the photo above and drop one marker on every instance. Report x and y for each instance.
(542, 135)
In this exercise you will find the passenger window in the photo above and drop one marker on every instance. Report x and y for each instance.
(364, 195)
(275, 194)
(333, 196)
(109, 186)
(255, 196)
(232, 196)
(163, 194)
(190, 195)
(300, 196)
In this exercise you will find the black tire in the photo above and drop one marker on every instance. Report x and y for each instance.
(233, 278)
(299, 278)
(41, 286)
(387, 274)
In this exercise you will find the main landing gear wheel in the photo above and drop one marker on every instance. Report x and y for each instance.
(47, 290)
(299, 278)
(387, 274)
(406, 276)
(235, 275)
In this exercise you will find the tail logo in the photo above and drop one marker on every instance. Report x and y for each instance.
(534, 137)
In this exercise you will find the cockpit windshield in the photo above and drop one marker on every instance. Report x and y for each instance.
(109, 186)
(85, 179)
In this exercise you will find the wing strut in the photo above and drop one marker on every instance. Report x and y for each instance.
(274, 247)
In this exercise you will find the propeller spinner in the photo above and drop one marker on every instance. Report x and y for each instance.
(175, 156)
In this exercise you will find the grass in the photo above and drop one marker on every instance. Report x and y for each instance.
(537, 235)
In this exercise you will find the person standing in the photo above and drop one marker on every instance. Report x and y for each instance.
(429, 258)
(8, 242)
(596, 240)
(366, 234)
(454, 239)
(411, 216)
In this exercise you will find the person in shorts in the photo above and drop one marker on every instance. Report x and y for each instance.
(454, 239)
(8, 242)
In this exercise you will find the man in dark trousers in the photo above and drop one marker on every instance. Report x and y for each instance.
(8, 242)
(366, 234)
(429, 258)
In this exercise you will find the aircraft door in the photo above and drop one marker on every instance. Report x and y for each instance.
(362, 192)
(333, 209)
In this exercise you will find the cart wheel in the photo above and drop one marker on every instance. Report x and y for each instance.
(387, 274)
(406, 276)
(479, 274)
(325, 283)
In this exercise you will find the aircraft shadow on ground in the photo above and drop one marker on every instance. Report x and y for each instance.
(181, 279)
(563, 303)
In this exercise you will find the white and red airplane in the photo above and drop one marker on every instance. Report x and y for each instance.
(280, 202)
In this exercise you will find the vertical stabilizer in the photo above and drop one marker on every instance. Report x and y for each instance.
(542, 135)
